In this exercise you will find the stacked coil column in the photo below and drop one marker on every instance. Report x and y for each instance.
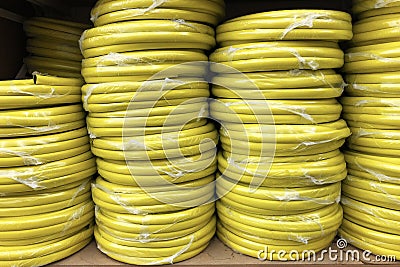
(53, 46)
(147, 101)
(280, 165)
(46, 168)
(371, 107)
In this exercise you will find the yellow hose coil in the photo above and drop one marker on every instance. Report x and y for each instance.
(360, 237)
(62, 250)
(384, 30)
(46, 211)
(285, 79)
(209, 6)
(264, 56)
(372, 222)
(388, 189)
(41, 91)
(206, 12)
(374, 141)
(281, 129)
(370, 191)
(156, 150)
(286, 25)
(372, 58)
(294, 134)
(118, 132)
(372, 163)
(371, 197)
(116, 35)
(385, 8)
(327, 167)
(40, 150)
(45, 225)
(114, 176)
(378, 90)
(46, 45)
(374, 78)
(131, 254)
(360, 7)
(257, 234)
(60, 56)
(371, 112)
(385, 200)
(139, 198)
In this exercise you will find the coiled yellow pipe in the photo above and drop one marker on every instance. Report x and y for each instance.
(370, 190)
(46, 165)
(287, 233)
(155, 148)
(60, 56)
(361, 7)
(281, 129)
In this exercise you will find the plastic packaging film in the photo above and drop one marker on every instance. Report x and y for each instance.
(379, 85)
(46, 168)
(208, 12)
(53, 46)
(372, 8)
(147, 102)
(280, 167)
(371, 190)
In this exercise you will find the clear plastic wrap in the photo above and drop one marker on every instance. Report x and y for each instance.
(293, 84)
(371, 195)
(193, 244)
(39, 228)
(371, 112)
(38, 92)
(378, 85)
(251, 233)
(153, 224)
(374, 61)
(136, 35)
(46, 176)
(46, 168)
(367, 190)
(264, 56)
(207, 11)
(158, 199)
(44, 149)
(286, 25)
(282, 111)
(374, 30)
(369, 223)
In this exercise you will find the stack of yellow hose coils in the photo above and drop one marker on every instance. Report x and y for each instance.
(46, 211)
(371, 192)
(156, 151)
(53, 46)
(280, 166)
